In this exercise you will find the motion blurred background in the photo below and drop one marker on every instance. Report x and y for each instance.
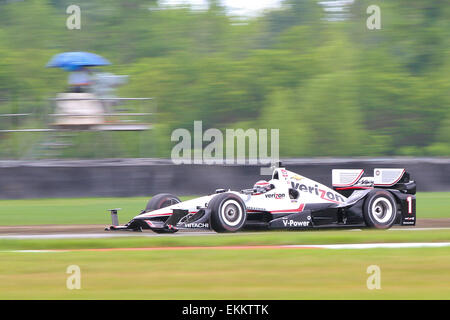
(312, 69)
(341, 95)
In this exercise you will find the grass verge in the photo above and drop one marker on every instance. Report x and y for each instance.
(420, 273)
(257, 238)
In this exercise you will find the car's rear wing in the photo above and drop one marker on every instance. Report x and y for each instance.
(396, 178)
(387, 177)
(346, 177)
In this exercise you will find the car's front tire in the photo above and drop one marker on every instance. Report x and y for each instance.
(228, 212)
(380, 209)
(161, 200)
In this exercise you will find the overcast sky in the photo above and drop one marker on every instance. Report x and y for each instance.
(240, 7)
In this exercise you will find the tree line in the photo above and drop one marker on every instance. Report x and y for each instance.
(332, 88)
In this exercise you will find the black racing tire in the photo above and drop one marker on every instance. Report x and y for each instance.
(161, 200)
(228, 212)
(380, 209)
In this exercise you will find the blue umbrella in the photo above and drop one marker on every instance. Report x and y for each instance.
(71, 61)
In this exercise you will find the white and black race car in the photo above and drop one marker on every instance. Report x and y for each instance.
(288, 201)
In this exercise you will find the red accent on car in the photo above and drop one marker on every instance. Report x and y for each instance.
(349, 188)
(300, 209)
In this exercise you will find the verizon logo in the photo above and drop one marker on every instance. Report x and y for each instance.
(275, 195)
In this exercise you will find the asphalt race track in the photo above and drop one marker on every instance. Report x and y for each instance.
(97, 231)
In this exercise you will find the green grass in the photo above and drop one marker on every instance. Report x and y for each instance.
(69, 211)
(433, 205)
(257, 238)
(420, 273)
(94, 210)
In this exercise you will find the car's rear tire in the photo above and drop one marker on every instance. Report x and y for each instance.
(161, 200)
(380, 209)
(228, 212)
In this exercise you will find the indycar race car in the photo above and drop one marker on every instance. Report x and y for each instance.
(288, 201)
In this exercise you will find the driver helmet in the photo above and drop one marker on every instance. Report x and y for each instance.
(261, 186)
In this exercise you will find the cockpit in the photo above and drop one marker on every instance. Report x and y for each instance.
(262, 186)
(275, 175)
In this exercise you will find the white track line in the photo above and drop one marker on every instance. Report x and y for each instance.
(375, 245)
(299, 246)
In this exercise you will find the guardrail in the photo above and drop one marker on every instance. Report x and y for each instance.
(48, 116)
(108, 114)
